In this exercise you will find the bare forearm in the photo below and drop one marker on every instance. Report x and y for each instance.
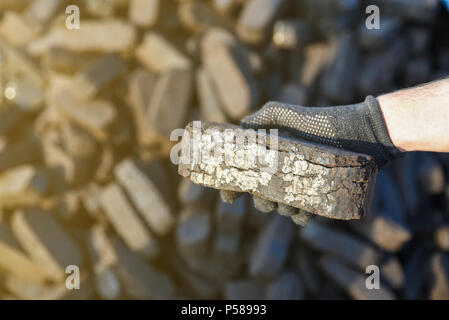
(418, 118)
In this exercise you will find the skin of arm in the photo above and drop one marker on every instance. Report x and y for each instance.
(417, 118)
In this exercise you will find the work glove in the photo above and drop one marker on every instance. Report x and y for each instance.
(358, 127)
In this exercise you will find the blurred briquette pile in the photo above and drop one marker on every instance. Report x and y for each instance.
(85, 174)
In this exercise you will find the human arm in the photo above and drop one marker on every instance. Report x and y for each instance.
(384, 127)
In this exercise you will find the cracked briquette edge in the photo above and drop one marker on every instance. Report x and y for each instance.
(319, 185)
(355, 159)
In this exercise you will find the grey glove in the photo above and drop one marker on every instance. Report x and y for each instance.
(358, 127)
(298, 216)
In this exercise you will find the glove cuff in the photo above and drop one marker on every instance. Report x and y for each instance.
(380, 130)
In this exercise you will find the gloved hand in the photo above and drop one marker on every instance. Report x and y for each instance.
(358, 127)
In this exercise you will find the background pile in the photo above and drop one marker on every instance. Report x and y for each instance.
(85, 174)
